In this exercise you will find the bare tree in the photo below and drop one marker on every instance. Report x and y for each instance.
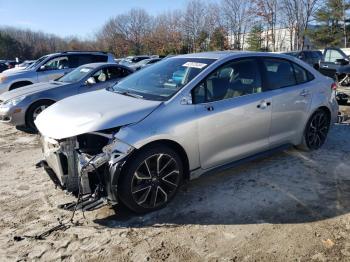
(290, 10)
(237, 17)
(267, 10)
(194, 22)
(298, 14)
(308, 9)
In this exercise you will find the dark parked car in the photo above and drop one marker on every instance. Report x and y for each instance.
(308, 56)
(3, 67)
(335, 64)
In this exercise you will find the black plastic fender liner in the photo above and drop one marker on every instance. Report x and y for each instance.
(111, 181)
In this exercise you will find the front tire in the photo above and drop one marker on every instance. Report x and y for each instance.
(33, 111)
(316, 131)
(150, 179)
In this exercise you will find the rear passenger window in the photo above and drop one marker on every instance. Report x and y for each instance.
(301, 74)
(98, 58)
(78, 60)
(116, 72)
(235, 79)
(279, 73)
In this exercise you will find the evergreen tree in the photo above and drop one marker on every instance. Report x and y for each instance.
(330, 20)
(255, 38)
(201, 41)
(218, 39)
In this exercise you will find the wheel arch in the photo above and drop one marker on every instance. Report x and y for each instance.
(319, 107)
(37, 102)
(177, 148)
(14, 85)
(326, 109)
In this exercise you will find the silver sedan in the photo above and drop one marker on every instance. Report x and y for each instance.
(183, 117)
(20, 107)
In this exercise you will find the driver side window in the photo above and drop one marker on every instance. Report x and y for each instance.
(332, 56)
(57, 63)
(99, 76)
(235, 79)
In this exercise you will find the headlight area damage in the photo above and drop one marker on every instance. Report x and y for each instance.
(86, 165)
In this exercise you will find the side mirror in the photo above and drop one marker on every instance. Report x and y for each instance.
(341, 61)
(43, 68)
(90, 81)
(300, 57)
(186, 100)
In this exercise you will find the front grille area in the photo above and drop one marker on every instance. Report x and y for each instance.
(62, 159)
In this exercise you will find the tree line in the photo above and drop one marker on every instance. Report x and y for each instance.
(198, 26)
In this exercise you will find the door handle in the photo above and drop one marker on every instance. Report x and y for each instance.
(263, 104)
(209, 108)
(325, 66)
(304, 93)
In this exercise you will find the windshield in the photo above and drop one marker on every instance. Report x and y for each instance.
(163, 79)
(37, 62)
(76, 75)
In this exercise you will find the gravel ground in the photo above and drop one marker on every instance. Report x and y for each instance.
(291, 206)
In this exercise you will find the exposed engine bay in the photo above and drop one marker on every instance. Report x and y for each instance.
(86, 164)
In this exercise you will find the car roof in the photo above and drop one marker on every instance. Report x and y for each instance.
(229, 54)
(95, 65)
(78, 52)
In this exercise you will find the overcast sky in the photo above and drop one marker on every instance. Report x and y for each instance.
(74, 17)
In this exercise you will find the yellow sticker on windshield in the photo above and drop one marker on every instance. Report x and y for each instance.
(194, 65)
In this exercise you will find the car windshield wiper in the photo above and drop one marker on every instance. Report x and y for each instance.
(129, 94)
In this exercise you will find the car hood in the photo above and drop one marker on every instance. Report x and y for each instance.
(90, 112)
(15, 72)
(11, 70)
(30, 89)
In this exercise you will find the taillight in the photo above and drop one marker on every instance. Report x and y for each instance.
(334, 86)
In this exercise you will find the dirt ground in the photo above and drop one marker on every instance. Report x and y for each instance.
(292, 206)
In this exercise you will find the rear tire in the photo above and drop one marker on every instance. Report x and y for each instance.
(150, 179)
(316, 131)
(34, 110)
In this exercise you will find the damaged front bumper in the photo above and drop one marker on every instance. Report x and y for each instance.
(74, 168)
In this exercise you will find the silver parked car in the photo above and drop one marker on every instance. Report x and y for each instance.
(180, 118)
(21, 106)
(144, 63)
(50, 67)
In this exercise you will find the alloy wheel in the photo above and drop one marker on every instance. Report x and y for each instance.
(38, 110)
(317, 131)
(155, 181)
